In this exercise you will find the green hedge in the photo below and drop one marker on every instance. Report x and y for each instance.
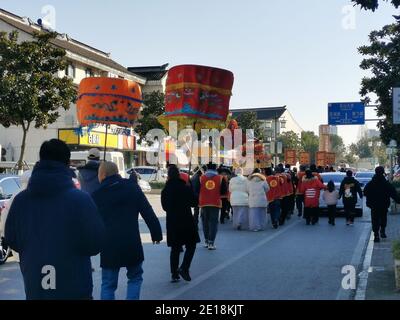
(157, 185)
(396, 249)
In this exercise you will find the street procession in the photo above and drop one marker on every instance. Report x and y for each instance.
(259, 163)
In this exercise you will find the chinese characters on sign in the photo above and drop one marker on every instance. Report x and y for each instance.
(290, 157)
(350, 113)
(321, 158)
(305, 158)
(330, 158)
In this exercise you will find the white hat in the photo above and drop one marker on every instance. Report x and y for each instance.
(94, 153)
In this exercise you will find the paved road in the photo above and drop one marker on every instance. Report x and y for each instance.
(294, 262)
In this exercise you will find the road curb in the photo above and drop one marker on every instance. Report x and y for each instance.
(363, 275)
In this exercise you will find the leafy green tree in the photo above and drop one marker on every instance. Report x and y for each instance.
(338, 146)
(248, 121)
(153, 106)
(373, 4)
(382, 58)
(290, 140)
(31, 93)
(310, 143)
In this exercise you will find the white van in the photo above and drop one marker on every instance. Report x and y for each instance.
(80, 158)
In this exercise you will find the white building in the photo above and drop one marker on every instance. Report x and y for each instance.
(274, 120)
(84, 61)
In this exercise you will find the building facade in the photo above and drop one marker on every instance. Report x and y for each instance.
(274, 121)
(83, 61)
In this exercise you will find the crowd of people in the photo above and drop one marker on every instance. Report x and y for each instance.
(53, 225)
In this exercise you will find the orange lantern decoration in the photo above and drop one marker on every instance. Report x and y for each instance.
(108, 101)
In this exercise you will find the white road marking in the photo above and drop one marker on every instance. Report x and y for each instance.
(227, 263)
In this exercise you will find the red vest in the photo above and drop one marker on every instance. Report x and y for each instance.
(274, 189)
(210, 191)
(185, 177)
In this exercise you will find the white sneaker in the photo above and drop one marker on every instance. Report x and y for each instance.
(212, 247)
(206, 244)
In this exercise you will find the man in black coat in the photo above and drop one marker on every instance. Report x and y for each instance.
(378, 193)
(119, 202)
(55, 228)
(349, 189)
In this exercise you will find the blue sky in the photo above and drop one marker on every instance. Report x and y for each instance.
(287, 52)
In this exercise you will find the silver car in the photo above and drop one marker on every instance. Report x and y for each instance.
(337, 178)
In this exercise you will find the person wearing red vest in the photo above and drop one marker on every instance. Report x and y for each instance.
(284, 194)
(299, 195)
(212, 187)
(311, 187)
(273, 195)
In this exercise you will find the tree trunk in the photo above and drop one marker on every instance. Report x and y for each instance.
(23, 145)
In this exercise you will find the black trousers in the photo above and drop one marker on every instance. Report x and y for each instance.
(224, 210)
(300, 204)
(292, 201)
(196, 214)
(332, 213)
(187, 258)
(379, 220)
(284, 210)
(311, 215)
(349, 210)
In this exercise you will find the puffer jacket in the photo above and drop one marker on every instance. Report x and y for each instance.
(258, 188)
(311, 188)
(239, 191)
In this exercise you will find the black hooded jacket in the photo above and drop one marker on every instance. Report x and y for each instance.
(351, 184)
(52, 224)
(378, 192)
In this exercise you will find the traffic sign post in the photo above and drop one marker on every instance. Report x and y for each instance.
(347, 113)
(396, 105)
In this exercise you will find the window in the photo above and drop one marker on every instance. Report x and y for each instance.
(8, 187)
(70, 71)
(89, 73)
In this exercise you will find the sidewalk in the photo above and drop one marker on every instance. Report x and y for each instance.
(381, 279)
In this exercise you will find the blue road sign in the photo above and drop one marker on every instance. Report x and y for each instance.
(347, 113)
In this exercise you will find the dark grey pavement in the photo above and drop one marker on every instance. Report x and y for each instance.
(381, 277)
(294, 262)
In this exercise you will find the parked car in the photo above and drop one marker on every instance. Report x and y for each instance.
(337, 178)
(9, 185)
(143, 184)
(364, 177)
(151, 174)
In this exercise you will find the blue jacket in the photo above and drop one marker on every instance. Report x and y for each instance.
(89, 176)
(120, 201)
(52, 223)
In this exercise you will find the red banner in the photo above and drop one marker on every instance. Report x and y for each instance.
(305, 158)
(290, 157)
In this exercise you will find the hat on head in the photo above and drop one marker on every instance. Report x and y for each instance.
(94, 154)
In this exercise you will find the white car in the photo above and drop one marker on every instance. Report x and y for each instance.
(150, 174)
(143, 184)
(337, 178)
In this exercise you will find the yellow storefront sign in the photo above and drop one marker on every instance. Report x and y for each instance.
(92, 139)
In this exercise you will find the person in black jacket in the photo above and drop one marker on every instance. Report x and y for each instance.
(177, 199)
(195, 182)
(88, 174)
(119, 202)
(378, 193)
(349, 189)
(55, 228)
